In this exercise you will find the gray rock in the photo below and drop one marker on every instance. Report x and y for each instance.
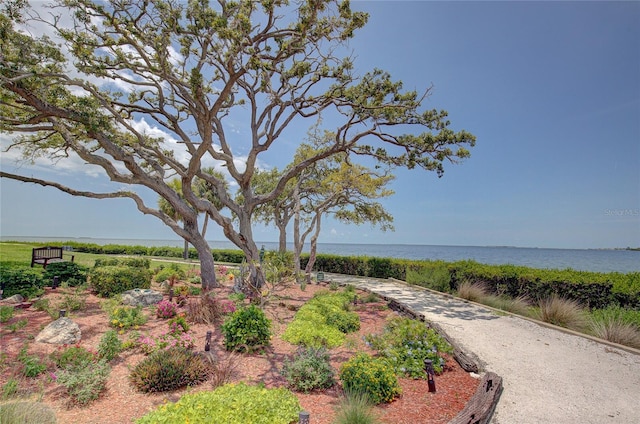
(141, 297)
(61, 331)
(15, 299)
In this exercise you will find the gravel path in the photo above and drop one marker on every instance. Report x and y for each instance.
(549, 376)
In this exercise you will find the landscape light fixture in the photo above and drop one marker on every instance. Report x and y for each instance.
(261, 255)
(303, 417)
(207, 342)
(56, 282)
(428, 367)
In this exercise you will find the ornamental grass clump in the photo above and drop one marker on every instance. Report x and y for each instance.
(230, 404)
(563, 312)
(169, 369)
(373, 377)
(355, 408)
(21, 412)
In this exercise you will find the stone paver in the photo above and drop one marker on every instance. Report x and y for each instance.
(549, 376)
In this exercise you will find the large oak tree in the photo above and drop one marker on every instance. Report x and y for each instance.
(185, 68)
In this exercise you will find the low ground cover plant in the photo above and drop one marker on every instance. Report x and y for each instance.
(110, 346)
(176, 335)
(230, 404)
(22, 411)
(126, 317)
(323, 321)
(86, 381)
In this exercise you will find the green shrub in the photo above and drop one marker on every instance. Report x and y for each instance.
(6, 313)
(32, 364)
(69, 272)
(21, 412)
(110, 280)
(25, 281)
(626, 315)
(130, 262)
(125, 317)
(309, 370)
(72, 357)
(169, 369)
(110, 346)
(433, 275)
(306, 332)
(85, 381)
(323, 320)
(373, 377)
(246, 329)
(171, 273)
(230, 404)
(10, 389)
(406, 343)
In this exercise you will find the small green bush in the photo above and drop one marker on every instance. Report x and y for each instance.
(246, 329)
(72, 357)
(85, 381)
(10, 389)
(230, 404)
(69, 272)
(169, 369)
(110, 346)
(21, 412)
(32, 364)
(130, 262)
(125, 317)
(309, 370)
(22, 280)
(373, 377)
(110, 280)
(171, 273)
(6, 313)
(406, 343)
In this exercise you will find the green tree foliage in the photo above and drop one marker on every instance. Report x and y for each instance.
(191, 69)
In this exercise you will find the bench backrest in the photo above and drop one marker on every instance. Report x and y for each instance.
(47, 252)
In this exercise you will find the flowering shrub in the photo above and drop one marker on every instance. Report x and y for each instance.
(406, 343)
(166, 309)
(176, 335)
(222, 270)
(125, 317)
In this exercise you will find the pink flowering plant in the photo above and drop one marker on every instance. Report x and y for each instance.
(177, 334)
(166, 309)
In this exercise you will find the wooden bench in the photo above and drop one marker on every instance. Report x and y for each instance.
(46, 255)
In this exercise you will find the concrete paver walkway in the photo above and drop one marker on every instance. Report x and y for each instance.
(549, 376)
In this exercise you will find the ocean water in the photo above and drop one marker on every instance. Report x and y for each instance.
(598, 260)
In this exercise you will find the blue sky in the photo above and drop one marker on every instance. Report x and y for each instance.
(550, 89)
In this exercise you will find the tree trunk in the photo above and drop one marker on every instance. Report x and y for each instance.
(282, 239)
(314, 245)
(207, 264)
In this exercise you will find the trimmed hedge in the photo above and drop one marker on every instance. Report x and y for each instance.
(25, 281)
(107, 281)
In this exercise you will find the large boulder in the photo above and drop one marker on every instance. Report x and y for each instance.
(141, 297)
(62, 331)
